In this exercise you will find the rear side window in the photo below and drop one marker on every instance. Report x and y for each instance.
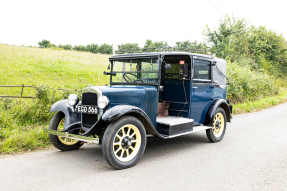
(202, 70)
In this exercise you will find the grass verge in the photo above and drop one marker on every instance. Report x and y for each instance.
(261, 104)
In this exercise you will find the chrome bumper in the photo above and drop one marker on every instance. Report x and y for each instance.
(72, 136)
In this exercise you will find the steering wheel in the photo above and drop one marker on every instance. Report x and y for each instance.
(128, 79)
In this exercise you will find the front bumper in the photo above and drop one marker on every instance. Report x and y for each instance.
(72, 136)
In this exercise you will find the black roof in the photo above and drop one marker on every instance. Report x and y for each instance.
(154, 55)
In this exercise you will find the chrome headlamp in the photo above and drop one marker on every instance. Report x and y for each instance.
(103, 102)
(73, 100)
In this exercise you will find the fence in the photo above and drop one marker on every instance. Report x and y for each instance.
(22, 89)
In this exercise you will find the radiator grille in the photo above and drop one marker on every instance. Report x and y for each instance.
(88, 120)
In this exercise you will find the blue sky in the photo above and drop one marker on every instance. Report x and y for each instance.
(115, 22)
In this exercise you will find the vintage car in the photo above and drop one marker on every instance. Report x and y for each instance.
(162, 94)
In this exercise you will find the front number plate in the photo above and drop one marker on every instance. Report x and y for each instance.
(89, 109)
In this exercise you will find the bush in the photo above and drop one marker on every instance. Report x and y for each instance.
(247, 84)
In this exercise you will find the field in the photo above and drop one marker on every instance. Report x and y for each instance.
(22, 120)
(58, 69)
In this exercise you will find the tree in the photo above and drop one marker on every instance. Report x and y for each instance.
(128, 47)
(106, 49)
(44, 43)
(151, 46)
(66, 47)
(80, 48)
(224, 41)
(185, 45)
(94, 48)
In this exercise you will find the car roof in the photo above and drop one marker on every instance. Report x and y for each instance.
(154, 55)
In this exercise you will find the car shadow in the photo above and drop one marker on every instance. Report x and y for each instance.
(90, 156)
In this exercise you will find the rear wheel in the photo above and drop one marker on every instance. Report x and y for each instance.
(62, 143)
(216, 133)
(124, 142)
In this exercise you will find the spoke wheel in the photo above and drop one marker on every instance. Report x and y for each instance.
(216, 133)
(124, 142)
(127, 143)
(218, 125)
(65, 140)
(62, 143)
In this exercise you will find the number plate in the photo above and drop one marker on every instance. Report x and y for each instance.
(89, 109)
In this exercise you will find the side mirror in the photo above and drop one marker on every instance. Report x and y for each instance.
(167, 66)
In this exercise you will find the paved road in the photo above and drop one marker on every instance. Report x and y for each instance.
(252, 156)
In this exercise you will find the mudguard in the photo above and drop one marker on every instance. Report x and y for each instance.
(120, 110)
(71, 118)
(213, 107)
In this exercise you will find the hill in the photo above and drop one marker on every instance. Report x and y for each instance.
(55, 68)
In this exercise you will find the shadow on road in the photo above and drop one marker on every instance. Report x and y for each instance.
(90, 156)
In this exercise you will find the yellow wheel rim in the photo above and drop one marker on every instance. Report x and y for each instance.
(218, 125)
(63, 139)
(127, 142)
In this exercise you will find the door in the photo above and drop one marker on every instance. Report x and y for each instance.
(202, 90)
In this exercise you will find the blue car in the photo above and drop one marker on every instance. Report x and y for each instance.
(164, 94)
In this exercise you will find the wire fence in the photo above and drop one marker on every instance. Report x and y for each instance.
(22, 89)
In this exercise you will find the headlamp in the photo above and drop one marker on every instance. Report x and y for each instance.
(73, 100)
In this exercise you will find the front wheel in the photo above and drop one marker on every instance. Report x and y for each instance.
(62, 143)
(124, 142)
(216, 133)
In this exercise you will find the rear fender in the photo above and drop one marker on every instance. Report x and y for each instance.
(213, 107)
(71, 117)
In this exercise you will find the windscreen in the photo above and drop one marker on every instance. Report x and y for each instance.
(136, 71)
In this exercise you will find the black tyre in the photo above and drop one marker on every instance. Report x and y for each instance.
(62, 143)
(124, 142)
(216, 133)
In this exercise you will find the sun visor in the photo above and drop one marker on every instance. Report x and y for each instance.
(217, 76)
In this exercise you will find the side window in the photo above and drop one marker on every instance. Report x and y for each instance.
(202, 70)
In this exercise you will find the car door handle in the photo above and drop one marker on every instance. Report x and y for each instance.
(194, 87)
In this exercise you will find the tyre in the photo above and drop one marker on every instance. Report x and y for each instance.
(124, 142)
(62, 143)
(216, 133)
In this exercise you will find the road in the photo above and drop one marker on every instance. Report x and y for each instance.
(252, 156)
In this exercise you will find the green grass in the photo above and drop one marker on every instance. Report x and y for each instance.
(263, 103)
(56, 68)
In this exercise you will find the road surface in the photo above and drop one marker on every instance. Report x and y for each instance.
(252, 156)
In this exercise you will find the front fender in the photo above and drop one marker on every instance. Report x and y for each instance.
(71, 118)
(213, 107)
(120, 110)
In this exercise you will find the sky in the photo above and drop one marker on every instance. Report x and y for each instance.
(127, 21)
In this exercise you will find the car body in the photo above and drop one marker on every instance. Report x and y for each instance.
(164, 94)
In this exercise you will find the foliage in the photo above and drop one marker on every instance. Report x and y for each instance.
(66, 47)
(248, 85)
(187, 45)
(44, 43)
(94, 48)
(153, 46)
(127, 47)
(264, 103)
(235, 39)
(80, 48)
(106, 49)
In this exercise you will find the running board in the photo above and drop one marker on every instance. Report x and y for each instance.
(195, 129)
